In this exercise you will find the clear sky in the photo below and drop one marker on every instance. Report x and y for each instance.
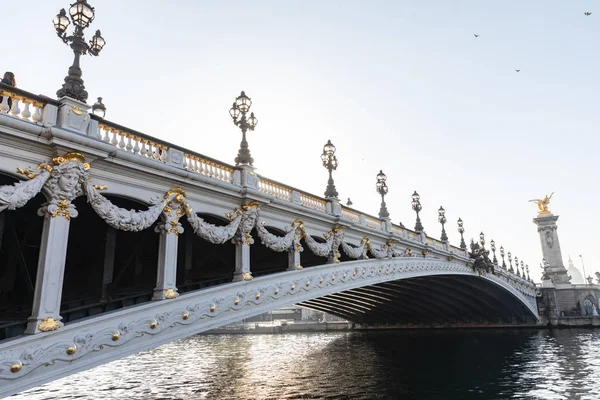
(402, 86)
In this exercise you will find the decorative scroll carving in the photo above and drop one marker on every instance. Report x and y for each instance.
(212, 233)
(120, 218)
(176, 206)
(338, 236)
(549, 238)
(249, 216)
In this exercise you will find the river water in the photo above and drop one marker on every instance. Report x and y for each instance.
(444, 364)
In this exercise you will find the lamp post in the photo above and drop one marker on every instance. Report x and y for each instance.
(517, 265)
(99, 108)
(583, 267)
(416, 206)
(461, 230)
(510, 262)
(382, 189)
(522, 272)
(482, 239)
(82, 15)
(493, 247)
(331, 163)
(502, 255)
(442, 220)
(238, 111)
(527, 269)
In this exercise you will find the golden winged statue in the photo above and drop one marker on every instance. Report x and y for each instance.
(543, 204)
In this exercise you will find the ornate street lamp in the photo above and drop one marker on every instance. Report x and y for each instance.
(482, 239)
(516, 265)
(461, 230)
(382, 189)
(238, 111)
(510, 262)
(349, 202)
(442, 220)
(493, 247)
(331, 163)
(502, 255)
(416, 206)
(82, 15)
(527, 269)
(99, 108)
(522, 272)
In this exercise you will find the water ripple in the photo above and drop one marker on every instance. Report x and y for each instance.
(487, 364)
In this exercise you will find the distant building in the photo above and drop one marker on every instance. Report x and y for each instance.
(576, 277)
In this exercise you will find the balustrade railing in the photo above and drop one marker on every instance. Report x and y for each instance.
(132, 142)
(373, 222)
(208, 168)
(350, 214)
(275, 189)
(23, 105)
(313, 202)
(397, 229)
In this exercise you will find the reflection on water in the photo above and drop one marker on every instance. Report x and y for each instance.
(486, 364)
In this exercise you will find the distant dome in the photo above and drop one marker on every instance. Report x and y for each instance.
(576, 276)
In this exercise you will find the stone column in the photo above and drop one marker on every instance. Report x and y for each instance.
(169, 229)
(243, 239)
(547, 229)
(294, 260)
(242, 262)
(167, 267)
(45, 314)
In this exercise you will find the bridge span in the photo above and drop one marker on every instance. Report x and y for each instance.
(413, 289)
(112, 242)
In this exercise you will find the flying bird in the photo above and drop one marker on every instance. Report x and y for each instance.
(476, 35)
(518, 70)
(587, 13)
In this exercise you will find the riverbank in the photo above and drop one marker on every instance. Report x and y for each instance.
(298, 326)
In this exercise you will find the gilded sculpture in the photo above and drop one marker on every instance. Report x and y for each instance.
(543, 204)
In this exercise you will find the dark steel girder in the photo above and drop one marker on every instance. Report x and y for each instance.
(402, 302)
(385, 307)
(460, 305)
(366, 309)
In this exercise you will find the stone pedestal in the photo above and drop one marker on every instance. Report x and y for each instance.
(45, 314)
(547, 229)
(73, 115)
(167, 267)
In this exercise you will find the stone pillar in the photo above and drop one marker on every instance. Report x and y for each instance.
(242, 262)
(294, 260)
(169, 229)
(167, 267)
(45, 315)
(547, 229)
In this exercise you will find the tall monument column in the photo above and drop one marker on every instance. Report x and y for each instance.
(547, 228)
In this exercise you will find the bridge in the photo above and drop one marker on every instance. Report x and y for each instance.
(113, 241)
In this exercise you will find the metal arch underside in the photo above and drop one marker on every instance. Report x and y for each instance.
(430, 300)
